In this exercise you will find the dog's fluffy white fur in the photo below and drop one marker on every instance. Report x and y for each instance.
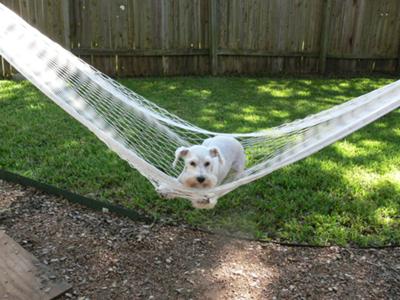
(208, 164)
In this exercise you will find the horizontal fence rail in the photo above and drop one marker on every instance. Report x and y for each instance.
(181, 37)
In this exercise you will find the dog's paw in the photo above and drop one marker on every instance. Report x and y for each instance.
(164, 192)
(205, 203)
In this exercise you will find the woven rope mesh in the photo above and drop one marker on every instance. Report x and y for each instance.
(147, 136)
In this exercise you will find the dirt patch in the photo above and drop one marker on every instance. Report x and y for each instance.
(109, 257)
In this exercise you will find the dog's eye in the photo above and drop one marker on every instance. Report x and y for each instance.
(192, 163)
(207, 163)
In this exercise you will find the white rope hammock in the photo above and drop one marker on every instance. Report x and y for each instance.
(146, 136)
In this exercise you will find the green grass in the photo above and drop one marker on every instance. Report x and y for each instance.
(347, 194)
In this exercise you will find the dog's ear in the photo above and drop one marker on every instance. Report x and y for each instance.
(180, 152)
(214, 152)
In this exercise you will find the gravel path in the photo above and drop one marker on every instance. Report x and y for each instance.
(108, 257)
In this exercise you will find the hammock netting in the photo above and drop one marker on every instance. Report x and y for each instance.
(146, 135)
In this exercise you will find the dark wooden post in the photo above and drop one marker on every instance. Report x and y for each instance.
(325, 35)
(213, 36)
(398, 59)
(66, 9)
(2, 68)
(164, 34)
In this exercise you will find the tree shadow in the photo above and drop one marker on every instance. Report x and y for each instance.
(243, 104)
(279, 272)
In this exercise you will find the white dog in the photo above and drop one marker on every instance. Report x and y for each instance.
(208, 164)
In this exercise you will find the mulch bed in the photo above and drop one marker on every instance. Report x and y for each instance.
(109, 257)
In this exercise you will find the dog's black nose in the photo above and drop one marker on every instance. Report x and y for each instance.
(201, 179)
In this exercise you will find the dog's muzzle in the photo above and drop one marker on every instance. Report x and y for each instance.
(200, 179)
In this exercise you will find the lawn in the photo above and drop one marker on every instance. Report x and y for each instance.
(347, 194)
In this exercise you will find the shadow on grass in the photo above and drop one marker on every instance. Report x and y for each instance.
(335, 196)
(242, 105)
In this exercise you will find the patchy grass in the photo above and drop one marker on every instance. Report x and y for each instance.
(349, 193)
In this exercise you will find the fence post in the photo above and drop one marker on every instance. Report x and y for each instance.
(325, 35)
(165, 8)
(398, 59)
(213, 36)
(65, 6)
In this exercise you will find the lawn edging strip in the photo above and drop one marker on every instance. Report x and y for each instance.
(74, 198)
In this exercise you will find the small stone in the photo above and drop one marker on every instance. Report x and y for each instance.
(254, 275)
(284, 292)
(105, 210)
(254, 284)
(238, 272)
(348, 276)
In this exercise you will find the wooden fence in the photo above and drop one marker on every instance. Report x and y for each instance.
(180, 37)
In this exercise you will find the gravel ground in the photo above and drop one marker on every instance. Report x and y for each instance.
(108, 257)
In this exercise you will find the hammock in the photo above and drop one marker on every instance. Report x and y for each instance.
(146, 136)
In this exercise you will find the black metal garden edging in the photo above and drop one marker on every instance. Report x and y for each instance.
(74, 198)
(136, 216)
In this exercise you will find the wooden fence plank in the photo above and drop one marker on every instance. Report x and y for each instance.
(213, 33)
(66, 10)
(325, 35)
